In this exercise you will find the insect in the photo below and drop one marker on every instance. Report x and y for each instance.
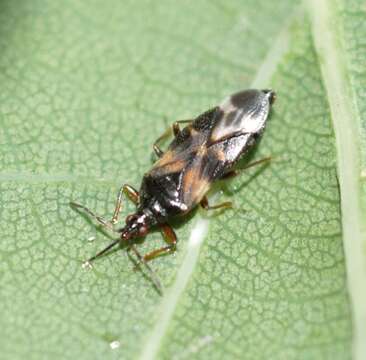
(201, 153)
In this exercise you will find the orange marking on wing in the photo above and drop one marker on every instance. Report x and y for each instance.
(194, 186)
(174, 167)
(190, 177)
(167, 158)
(168, 164)
(202, 150)
(192, 131)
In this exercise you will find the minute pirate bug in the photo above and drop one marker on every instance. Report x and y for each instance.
(201, 153)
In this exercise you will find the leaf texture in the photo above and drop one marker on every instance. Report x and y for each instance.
(86, 88)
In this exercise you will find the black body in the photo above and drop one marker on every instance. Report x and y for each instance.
(201, 153)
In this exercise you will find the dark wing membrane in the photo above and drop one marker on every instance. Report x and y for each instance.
(186, 166)
(192, 162)
(228, 151)
(185, 145)
(176, 158)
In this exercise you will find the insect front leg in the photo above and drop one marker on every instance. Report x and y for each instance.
(131, 193)
(234, 173)
(225, 205)
(128, 190)
(173, 129)
(99, 219)
(170, 237)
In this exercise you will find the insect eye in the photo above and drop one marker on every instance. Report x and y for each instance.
(143, 230)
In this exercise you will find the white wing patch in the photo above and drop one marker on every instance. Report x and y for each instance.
(247, 120)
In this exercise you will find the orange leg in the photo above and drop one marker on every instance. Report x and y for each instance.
(224, 205)
(170, 237)
(128, 190)
(131, 193)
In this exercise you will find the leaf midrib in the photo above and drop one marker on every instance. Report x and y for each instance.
(346, 122)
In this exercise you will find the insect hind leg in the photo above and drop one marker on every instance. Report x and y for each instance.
(233, 173)
(206, 206)
(170, 237)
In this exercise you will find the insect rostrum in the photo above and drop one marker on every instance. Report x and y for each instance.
(201, 153)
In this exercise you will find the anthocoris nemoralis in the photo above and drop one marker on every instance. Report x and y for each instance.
(201, 153)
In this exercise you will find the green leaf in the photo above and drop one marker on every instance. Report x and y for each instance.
(270, 280)
(339, 28)
(86, 88)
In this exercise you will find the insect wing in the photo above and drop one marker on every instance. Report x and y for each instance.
(245, 112)
(198, 177)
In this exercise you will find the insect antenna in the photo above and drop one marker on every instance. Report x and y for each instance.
(109, 226)
(152, 273)
(100, 253)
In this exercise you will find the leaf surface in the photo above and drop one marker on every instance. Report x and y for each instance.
(86, 89)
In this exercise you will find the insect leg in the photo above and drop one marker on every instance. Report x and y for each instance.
(128, 190)
(107, 224)
(224, 205)
(234, 173)
(131, 193)
(174, 129)
(153, 275)
(170, 237)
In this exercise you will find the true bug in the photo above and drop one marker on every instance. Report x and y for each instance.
(201, 153)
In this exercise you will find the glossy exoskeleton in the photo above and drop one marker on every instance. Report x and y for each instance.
(201, 153)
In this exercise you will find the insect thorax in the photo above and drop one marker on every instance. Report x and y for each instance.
(160, 196)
